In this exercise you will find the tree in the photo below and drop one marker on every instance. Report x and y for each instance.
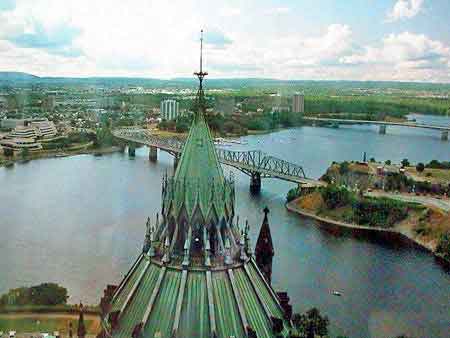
(8, 152)
(372, 159)
(405, 163)
(311, 323)
(443, 246)
(344, 168)
(388, 162)
(24, 153)
(335, 196)
(420, 167)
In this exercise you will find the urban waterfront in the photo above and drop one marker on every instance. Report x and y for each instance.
(79, 221)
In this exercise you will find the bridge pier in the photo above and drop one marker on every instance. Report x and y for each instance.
(255, 183)
(176, 159)
(153, 154)
(131, 151)
(444, 135)
(382, 129)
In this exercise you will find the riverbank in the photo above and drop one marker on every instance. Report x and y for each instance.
(87, 149)
(401, 232)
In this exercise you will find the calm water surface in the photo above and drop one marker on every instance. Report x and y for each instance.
(80, 221)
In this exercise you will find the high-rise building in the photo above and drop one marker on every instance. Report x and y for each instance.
(197, 275)
(298, 103)
(169, 109)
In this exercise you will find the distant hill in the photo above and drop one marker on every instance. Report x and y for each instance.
(270, 85)
(17, 76)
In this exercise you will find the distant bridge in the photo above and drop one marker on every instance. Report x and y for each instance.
(254, 163)
(383, 124)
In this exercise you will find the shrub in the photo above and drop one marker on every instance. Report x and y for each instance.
(420, 167)
(443, 246)
(379, 212)
(292, 194)
(335, 196)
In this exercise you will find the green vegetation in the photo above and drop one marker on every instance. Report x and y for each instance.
(395, 106)
(74, 138)
(38, 324)
(311, 323)
(438, 165)
(292, 194)
(375, 212)
(104, 137)
(43, 294)
(443, 246)
(24, 153)
(336, 196)
(379, 212)
(405, 163)
(420, 167)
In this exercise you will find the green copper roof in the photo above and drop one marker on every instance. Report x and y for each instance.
(199, 160)
(199, 182)
(238, 294)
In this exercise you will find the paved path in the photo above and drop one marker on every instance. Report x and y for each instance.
(443, 204)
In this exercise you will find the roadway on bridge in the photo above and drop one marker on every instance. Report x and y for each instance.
(246, 161)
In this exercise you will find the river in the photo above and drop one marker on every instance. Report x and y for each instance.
(80, 221)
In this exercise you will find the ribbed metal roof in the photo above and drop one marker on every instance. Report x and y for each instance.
(168, 301)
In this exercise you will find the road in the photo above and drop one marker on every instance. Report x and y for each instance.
(443, 204)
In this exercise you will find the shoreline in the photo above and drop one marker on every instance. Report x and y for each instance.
(58, 154)
(391, 234)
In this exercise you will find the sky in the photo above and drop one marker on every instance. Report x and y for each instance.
(399, 40)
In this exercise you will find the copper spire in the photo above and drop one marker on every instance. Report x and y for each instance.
(201, 75)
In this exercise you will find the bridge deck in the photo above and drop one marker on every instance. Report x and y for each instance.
(246, 161)
(402, 124)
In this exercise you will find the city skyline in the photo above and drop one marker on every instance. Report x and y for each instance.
(400, 40)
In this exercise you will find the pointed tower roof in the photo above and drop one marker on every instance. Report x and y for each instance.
(264, 243)
(199, 180)
(198, 277)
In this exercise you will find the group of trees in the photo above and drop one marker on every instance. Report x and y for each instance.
(372, 105)
(42, 294)
(376, 212)
(379, 212)
(443, 247)
(336, 196)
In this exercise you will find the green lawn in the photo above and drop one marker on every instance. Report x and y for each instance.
(39, 324)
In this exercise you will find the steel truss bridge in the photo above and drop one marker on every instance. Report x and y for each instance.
(383, 124)
(254, 163)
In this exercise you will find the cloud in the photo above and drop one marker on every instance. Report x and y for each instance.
(155, 38)
(405, 9)
(281, 10)
(402, 48)
(407, 56)
(216, 38)
(7, 5)
(57, 40)
(230, 11)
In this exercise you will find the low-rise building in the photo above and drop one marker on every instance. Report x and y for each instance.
(17, 144)
(44, 127)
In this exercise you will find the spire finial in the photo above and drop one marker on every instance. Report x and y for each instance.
(201, 51)
(201, 74)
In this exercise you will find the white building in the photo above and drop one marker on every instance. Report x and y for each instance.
(17, 144)
(169, 109)
(298, 103)
(44, 127)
